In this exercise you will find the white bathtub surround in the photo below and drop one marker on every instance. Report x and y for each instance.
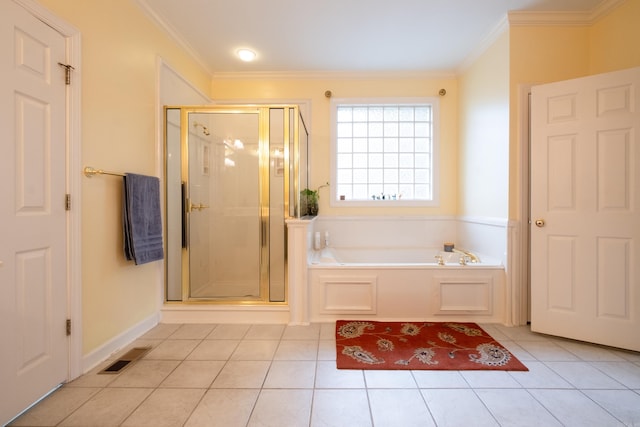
(298, 258)
(483, 235)
(406, 291)
(385, 268)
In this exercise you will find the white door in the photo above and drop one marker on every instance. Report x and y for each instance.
(34, 348)
(585, 209)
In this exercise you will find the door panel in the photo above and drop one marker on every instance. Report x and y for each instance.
(585, 190)
(33, 276)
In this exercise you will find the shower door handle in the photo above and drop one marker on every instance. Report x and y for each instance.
(198, 207)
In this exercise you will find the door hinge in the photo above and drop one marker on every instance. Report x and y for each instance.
(68, 327)
(67, 202)
(67, 71)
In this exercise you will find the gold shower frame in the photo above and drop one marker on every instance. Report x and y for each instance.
(291, 190)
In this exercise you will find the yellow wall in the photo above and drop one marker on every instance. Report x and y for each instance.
(313, 89)
(119, 52)
(615, 39)
(484, 133)
(543, 54)
(539, 54)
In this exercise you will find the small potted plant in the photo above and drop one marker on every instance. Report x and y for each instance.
(309, 201)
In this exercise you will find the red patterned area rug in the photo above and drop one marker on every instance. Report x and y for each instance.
(420, 346)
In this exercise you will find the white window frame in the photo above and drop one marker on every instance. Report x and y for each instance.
(434, 102)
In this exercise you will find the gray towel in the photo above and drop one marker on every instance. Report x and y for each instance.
(142, 222)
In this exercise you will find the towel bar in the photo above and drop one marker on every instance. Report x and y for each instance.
(89, 172)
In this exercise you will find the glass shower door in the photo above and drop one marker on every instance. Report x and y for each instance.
(223, 206)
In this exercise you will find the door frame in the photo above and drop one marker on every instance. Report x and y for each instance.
(522, 303)
(73, 180)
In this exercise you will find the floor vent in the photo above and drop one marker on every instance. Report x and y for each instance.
(125, 360)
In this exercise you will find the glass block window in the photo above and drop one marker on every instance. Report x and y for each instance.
(384, 152)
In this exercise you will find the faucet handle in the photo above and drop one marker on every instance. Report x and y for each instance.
(439, 259)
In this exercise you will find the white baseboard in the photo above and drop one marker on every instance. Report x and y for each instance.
(102, 353)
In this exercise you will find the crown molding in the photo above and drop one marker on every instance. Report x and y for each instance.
(563, 18)
(604, 8)
(332, 75)
(173, 34)
(485, 44)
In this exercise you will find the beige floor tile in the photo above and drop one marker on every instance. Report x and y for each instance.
(310, 332)
(194, 374)
(404, 408)
(514, 408)
(242, 374)
(327, 350)
(335, 408)
(224, 407)
(328, 376)
(192, 332)
(264, 332)
(389, 379)
(214, 350)
(328, 331)
(590, 352)
(490, 379)
(145, 373)
(539, 376)
(229, 332)
(622, 404)
(291, 374)
(625, 373)
(165, 408)
(93, 378)
(56, 407)
(108, 408)
(161, 331)
(584, 375)
(440, 379)
(297, 350)
(563, 403)
(290, 408)
(200, 383)
(172, 350)
(548, 351)
(447, 408)
(255, 350)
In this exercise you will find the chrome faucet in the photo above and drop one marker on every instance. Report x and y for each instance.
(472, 257)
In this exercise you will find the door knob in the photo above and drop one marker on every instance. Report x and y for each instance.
(540, 222)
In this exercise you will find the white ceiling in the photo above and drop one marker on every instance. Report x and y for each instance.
(292, 36)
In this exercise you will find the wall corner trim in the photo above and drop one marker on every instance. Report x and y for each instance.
(563, 18)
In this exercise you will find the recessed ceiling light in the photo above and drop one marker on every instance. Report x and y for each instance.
(246, 55)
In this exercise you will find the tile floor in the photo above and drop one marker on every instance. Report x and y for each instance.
(285, 376)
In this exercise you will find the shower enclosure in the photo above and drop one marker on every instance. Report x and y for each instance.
(233, 175)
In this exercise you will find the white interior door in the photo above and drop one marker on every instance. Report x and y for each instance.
(34, 349)
(585, 196)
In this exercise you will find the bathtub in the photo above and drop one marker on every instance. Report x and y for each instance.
(392, 256)
(403, 284)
